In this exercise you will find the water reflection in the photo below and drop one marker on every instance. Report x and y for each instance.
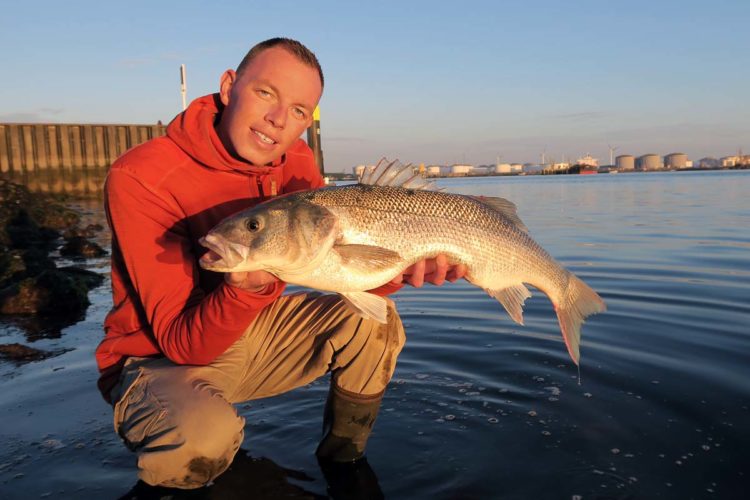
(262, 478)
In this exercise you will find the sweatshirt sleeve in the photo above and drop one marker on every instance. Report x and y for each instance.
(189, 325)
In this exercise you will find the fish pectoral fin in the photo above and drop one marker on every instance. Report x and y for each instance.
(505, 207)
(367, 304)
(367, 257)
(512, 299)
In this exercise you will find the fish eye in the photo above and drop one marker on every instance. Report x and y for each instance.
(253, 225)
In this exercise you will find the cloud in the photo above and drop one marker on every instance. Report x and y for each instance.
(40, 115)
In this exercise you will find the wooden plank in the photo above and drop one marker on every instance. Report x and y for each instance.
(40, 145)
(142, 134)
(66, 157)
(30, 171)
(76, 146)
(88, 145)
(16, 169)
(122, 140)
(74, 176)
(156, 131)
(132, 136)
(111, 144)
(100, 152)
(4, 151)
(54, 157)
(56, 175)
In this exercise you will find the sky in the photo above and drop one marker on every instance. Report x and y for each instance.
(422, 81)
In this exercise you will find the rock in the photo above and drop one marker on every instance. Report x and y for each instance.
(20, 352)
(53, 292)
(78, 246)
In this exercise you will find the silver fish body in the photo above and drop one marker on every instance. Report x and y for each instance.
(350, 239)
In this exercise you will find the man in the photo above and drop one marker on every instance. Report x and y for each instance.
(183, 344)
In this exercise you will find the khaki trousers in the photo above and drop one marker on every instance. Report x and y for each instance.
(180, 420)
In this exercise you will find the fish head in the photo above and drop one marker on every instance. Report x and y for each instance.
(282, 236)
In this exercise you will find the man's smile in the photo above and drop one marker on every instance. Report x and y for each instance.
(263, 137)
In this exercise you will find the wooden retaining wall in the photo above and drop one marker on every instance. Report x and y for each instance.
(66, 158)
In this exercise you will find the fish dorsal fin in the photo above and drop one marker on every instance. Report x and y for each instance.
(512, 299)
(368, 305)
(367, 257)
(505, 207)
(395, 174)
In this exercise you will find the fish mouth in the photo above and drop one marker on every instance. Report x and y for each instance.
(222, 255)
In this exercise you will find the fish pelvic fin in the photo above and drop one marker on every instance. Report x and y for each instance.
(396, 174)
(367, 258)
(578, 302)
(512, 299)
(368, 305)
(505, 207)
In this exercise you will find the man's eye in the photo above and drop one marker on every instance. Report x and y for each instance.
(263, 93)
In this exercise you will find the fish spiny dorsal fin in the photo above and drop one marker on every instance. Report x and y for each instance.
(395, 174)
(505, 207)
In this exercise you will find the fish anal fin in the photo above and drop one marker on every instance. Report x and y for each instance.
(367, 257)
(368, 305)
(512, 299)
(505, 207)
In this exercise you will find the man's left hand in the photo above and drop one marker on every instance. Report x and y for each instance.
(435, 271)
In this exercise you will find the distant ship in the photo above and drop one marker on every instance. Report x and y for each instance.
(588, 169)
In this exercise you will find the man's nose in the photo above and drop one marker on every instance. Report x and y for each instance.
(277, 116)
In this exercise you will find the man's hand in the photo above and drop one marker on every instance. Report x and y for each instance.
(435, 271)
(253, 281)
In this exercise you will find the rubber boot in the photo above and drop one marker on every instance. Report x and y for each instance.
(347, 423)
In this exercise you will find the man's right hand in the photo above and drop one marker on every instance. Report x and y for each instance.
(252, 281)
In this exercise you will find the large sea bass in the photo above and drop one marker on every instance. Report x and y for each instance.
(349, 239)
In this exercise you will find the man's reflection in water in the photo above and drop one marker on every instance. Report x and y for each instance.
(261, 478)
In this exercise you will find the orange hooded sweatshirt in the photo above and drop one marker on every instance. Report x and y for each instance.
(160, 198)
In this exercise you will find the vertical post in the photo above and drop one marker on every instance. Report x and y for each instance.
(313, 139)
(183, 86)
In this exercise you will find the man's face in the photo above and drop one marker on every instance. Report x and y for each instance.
(267, 106)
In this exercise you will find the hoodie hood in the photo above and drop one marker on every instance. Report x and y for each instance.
(193, 131)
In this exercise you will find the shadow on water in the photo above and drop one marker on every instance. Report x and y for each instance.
(262, 478)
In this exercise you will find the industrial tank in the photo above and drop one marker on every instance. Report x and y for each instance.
(625, 162)
(649, 162)
(675, 160)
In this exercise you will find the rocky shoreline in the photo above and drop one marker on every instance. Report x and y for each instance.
(32, 286)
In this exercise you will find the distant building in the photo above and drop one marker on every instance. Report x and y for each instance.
(531, 168)
(709, 162)
(433, 170)
(503, 168)
(675, 160)
(649, 162)
(625, 162)
(516, 168)
(557, 167)
(733, 161)
(458, 170)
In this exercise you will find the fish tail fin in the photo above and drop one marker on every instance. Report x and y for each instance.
(578, 302)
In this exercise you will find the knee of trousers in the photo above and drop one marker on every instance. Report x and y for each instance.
(182, 442)
(367, 363)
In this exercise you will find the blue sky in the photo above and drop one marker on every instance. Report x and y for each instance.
(433, 82)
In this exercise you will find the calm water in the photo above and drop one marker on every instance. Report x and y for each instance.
(480, 407)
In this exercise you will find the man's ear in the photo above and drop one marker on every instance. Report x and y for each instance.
(225, 85)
